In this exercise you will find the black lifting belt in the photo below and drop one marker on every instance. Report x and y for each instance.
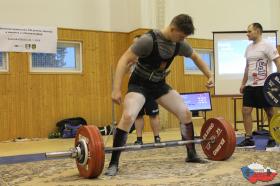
(152, 75)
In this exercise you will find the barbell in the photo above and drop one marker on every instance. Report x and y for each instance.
(271, 91)
(274, 127)
(217, 140)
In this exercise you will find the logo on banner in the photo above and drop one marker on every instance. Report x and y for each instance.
(257, 172)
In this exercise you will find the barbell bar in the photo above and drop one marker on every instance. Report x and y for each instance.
(218, 143)
(76, 152)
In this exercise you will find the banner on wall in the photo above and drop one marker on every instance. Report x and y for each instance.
(38, 39)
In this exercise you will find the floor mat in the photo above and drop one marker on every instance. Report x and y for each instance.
(262, 140)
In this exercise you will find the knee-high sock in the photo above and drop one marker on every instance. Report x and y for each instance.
(120, 138)
(187, 133)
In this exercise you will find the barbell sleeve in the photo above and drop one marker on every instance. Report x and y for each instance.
(72, 153)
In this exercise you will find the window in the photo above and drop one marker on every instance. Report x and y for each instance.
(3, 62)
(67, 59)
(191, 68)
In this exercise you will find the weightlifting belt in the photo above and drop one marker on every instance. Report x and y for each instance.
(151, 75)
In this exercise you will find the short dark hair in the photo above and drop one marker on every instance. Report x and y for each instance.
(184, 23)
(257, 26)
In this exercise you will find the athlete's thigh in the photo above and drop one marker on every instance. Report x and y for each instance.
(133, 102)
(173, 102)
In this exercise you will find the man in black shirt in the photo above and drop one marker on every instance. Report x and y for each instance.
(154, 52)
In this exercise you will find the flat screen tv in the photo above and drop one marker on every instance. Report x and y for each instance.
(197, 101)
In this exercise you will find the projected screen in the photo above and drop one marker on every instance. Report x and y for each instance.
(197, 101)
(229, 51)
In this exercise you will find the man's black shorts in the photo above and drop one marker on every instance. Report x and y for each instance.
(254, 97)
(150, 108)
(149, 89)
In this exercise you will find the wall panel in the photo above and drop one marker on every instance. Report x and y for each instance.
(32, 103)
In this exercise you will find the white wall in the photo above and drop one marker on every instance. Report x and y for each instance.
(148, 13)
(275, 15)
(127, 15)
(105, 15)
(226, 15)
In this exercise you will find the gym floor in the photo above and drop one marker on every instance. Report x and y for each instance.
(163, 166)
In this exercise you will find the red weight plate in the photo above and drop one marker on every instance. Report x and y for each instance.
(224, 145)
(232, 136)
(96, 155)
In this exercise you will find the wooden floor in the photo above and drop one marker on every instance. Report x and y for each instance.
(165, 166)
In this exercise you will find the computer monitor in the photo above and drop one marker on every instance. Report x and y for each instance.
(197, 101)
